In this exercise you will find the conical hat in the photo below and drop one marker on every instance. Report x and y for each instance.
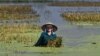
(49, 23)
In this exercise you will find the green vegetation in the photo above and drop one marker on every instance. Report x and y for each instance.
(19, 49)
(17, 16)
(16, 9)
(82, 17)
(17, 12)
(21, 33)
(18, 39)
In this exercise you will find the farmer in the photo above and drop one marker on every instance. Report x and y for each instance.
(47, 34)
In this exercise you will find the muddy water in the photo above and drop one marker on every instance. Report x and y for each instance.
(69, 31)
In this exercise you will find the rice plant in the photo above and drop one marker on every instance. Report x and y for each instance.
(21, 33)
(82, 17)
(17, 12)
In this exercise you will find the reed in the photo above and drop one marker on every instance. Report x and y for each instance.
(21, 33)
(17, 12)
(16, 9)
(82, 17)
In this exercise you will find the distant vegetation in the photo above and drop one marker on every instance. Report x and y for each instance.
(15, 1)
(75, 4)
(16, 9)
(82, 17)
(17, 12)
(19, 1)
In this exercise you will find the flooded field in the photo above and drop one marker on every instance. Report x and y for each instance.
(78, 40)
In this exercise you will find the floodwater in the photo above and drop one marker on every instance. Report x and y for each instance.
(76, 33)
(73, 35)
(72, 32)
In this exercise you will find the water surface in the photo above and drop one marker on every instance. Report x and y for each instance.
(65, 29)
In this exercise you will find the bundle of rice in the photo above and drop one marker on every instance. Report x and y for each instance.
(55, 43)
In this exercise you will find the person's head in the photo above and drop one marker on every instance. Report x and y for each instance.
(50, 27)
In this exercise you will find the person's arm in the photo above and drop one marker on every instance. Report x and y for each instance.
(39, 40)
(55, 36)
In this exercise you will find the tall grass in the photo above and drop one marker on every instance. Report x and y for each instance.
(17, 12)
(21, 33)
(16, 9)
(4, 16)
(82, 17)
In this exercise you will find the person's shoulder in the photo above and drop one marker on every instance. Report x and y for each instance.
(43, 33)
(54, 33)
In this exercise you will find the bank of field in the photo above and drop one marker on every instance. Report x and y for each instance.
(93, 18)
(17, 12)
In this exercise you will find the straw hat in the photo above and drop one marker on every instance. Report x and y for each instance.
(49, 23)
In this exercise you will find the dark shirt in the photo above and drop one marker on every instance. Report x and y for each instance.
(43, 40)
